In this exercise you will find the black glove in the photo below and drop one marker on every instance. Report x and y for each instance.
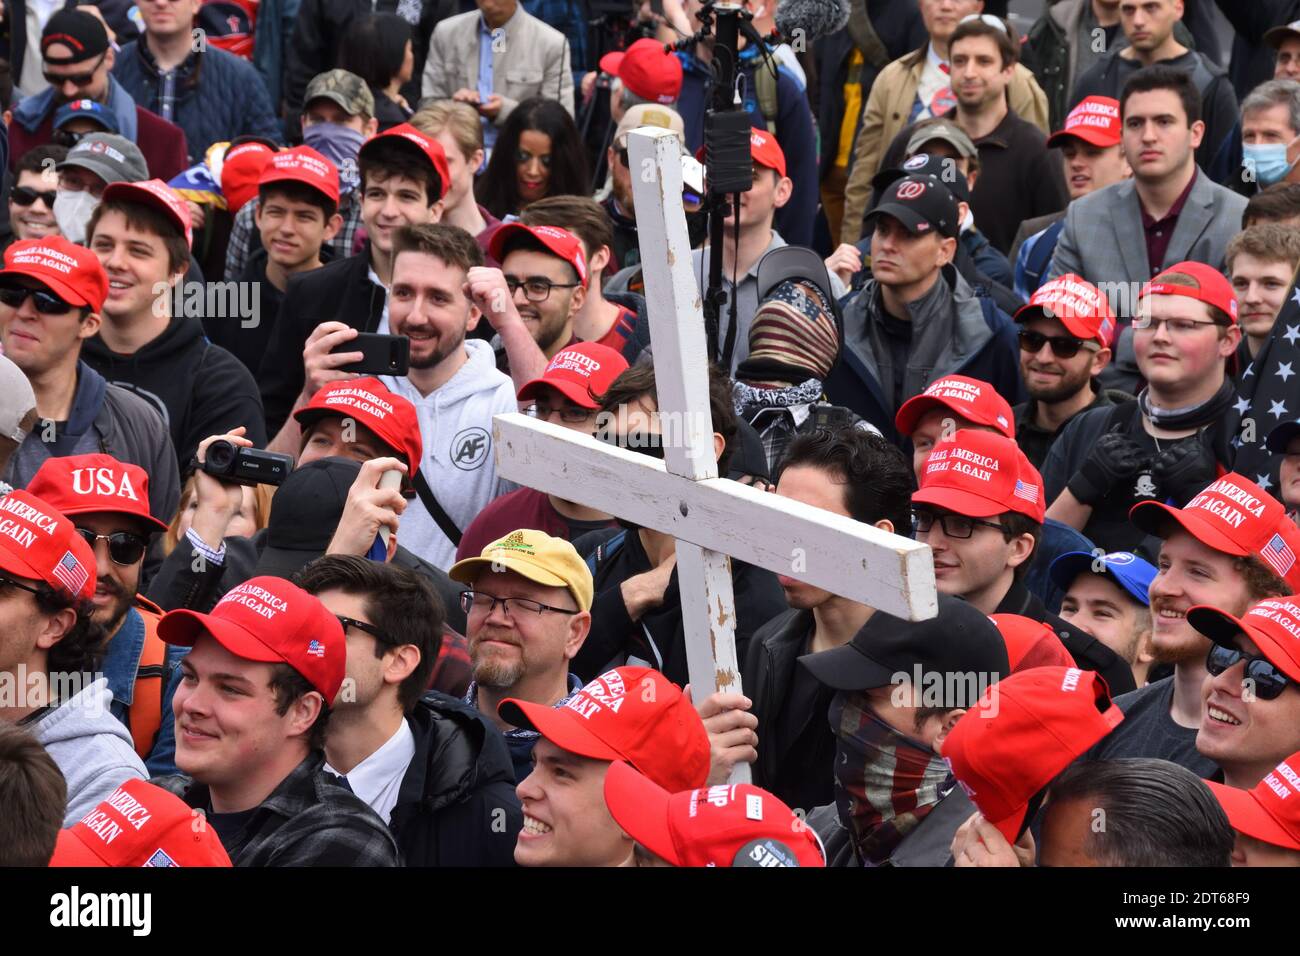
(1113, 459)
(1183, 470)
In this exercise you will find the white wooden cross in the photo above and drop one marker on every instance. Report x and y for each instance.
(712, 518)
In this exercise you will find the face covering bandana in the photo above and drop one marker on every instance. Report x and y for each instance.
(340, 145)
(1268, 161)
(72, 211)
(885, 782)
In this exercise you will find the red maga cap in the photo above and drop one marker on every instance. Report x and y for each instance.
(647, 69)
(88, 484)
(302, 164)
(727, 825)
(368, 402)
(140, 825)
(766, 150)
(579, 372)
(241, 170)
(1082, 308)
(1095, 120)
(1272, 624)
(156, 193)
(1030, 643)
(972, 399)
(1211, 288)
(1233, 515)
(981, 474)
(71, 272)
(560, 242)
(629, 713)
(269, 619)
(427, 145)
(1270, 811)
(1024, 731)
(38, 541)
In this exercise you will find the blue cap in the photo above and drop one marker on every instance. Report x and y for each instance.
(1126, 569)
(86, 109)
(1281, 436)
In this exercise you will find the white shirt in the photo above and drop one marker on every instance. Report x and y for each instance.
(378, 779)
(373, 276)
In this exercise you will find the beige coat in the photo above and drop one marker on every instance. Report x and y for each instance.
(886, 114)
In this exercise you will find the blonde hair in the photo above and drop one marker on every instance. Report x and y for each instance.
(459, 119)
(262, 495)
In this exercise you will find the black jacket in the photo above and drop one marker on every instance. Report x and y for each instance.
(198, 388)
(457, 803)
(339, 291)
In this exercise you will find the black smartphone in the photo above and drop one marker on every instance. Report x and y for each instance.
(384, 354)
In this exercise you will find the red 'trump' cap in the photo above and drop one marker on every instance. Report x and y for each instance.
(578, 372)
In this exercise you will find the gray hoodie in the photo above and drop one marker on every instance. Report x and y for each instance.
(92, 748)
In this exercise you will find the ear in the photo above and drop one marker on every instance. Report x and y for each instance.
(949, 721)
(371, 128)
(1146, 653)
(55, 628)
(90, 325)
(719, 445)
(400, 663)
(947, 250)
(972, 175)
(1100, 359)
(303, 713)
(110, 58)
(475, 162)
(1020, 550)
(1198, 133)
(474, 315)
(331, 228)
(579, 628)
(579, 297)
(597, 261)
(783, 192)
(1231, 339)
(962, 209)
(436, 211)
(884, 524)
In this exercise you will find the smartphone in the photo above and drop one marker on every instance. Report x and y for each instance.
(384, 354)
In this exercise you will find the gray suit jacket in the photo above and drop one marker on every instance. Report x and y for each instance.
(1103, 240)
(529, 59)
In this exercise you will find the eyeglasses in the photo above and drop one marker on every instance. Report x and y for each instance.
(572, 414)
(643, 442)
(536, 289)
(23, 196)
(483, 603)
(1268, 681)
(76, 79)
(954, 526)
(124, 547)
(47, 303)
(1063, 346)
(10, 582)
(370, 629)
(1176, 326)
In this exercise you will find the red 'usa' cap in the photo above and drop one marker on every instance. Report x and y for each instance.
(1270, 811)
(89, 484)
(972, 399)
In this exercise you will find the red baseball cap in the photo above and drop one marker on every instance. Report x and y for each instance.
(427, 145)
(560, 242)
(766, 150)
(1082, 308)
(85, 484)
(156, 193)
(973, 400)
(981, 474)
(302, 164)
(40, 542)
(1095, 120)
(727, 825)
(629, 713)
(1030, 643)
(71, 272)
(368, 402)
(1233, 515)
(1211, 287)
(1273, 624)
(140, 825)
(647, 69)
(241, 171)
(1025, 730)
(269, 619)
(579, 372)
(1270, 811)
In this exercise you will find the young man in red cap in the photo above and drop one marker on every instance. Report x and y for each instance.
(51, 296)
(251, 715)
(53, 649)
(737, 825)
(947, 404)
(404, 177)
(1170, 442)
(1266, 817)
(643, 73)
(1065, 335)
(140, 824)
(566, 394)
(631, 714)
(980, 509)
(141, 234)
(1226, 549)
(108, 501)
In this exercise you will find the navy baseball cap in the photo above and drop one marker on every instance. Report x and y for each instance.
(1281, 436)
(85, 109)
(1126, 569)
(925, 164)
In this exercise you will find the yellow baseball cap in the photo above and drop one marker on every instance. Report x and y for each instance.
(536, 556)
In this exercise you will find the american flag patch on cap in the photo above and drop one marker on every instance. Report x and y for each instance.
(70, 573)
(316, 649)
(1278, 556)
(1026, 491)
(160, 858)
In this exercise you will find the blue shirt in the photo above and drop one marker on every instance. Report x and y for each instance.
(485, 40)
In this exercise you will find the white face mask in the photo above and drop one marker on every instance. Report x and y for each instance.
(72, 211)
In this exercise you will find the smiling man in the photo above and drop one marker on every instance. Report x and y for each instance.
(1107, 597)
(1261, 261)
(31, 201)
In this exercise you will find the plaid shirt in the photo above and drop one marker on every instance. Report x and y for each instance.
(240, 248)
(306, 821)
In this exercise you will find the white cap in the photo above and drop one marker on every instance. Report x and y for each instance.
(17, 401)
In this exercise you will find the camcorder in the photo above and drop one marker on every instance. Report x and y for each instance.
(237, 465)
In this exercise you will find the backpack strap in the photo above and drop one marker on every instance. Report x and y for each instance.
(145, 712)
(435, 509)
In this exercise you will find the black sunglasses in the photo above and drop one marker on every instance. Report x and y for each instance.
(23, 196)
(4, 580)
(370, 629)
(123, 546)
(1268, 681)
(47, 303)
(1063, 346)
(77, 79)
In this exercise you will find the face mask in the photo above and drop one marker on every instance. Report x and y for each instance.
(968, 223)
(340, 145)
(72, 211)
(697, 227)
(1268, 160)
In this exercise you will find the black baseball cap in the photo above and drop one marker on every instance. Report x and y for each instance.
(940, 168)
(81, 32)
(960, 641)
(304, 513)
(1281, 436)
(921, 204)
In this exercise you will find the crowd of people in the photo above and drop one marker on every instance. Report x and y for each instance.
(1016, 287)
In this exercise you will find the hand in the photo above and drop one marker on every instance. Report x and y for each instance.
(321, 367)
(368, 509)
(98, 15)
(756, 481)
(733, 736)
(487, 289)
(197, 215)
(588, 85)
(1113, 459)
(217, 502)
(491, 107)
(845, 262)
(1183, 470)
(464, 95)
(644, 592)
(979, 843)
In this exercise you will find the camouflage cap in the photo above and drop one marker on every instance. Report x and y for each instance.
(346, 89)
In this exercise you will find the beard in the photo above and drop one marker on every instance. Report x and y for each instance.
(1180, 650)
(111, 617)
(490, 670)
(1067, 387)
(446, 347)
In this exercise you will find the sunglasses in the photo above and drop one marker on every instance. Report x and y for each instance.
(76, 79)
(123, 547)
(1268, 681)
(47, 303)
(1063, 346)
(23, 196)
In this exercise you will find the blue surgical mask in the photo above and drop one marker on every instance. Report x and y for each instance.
(1267, 160)
(340, 145)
